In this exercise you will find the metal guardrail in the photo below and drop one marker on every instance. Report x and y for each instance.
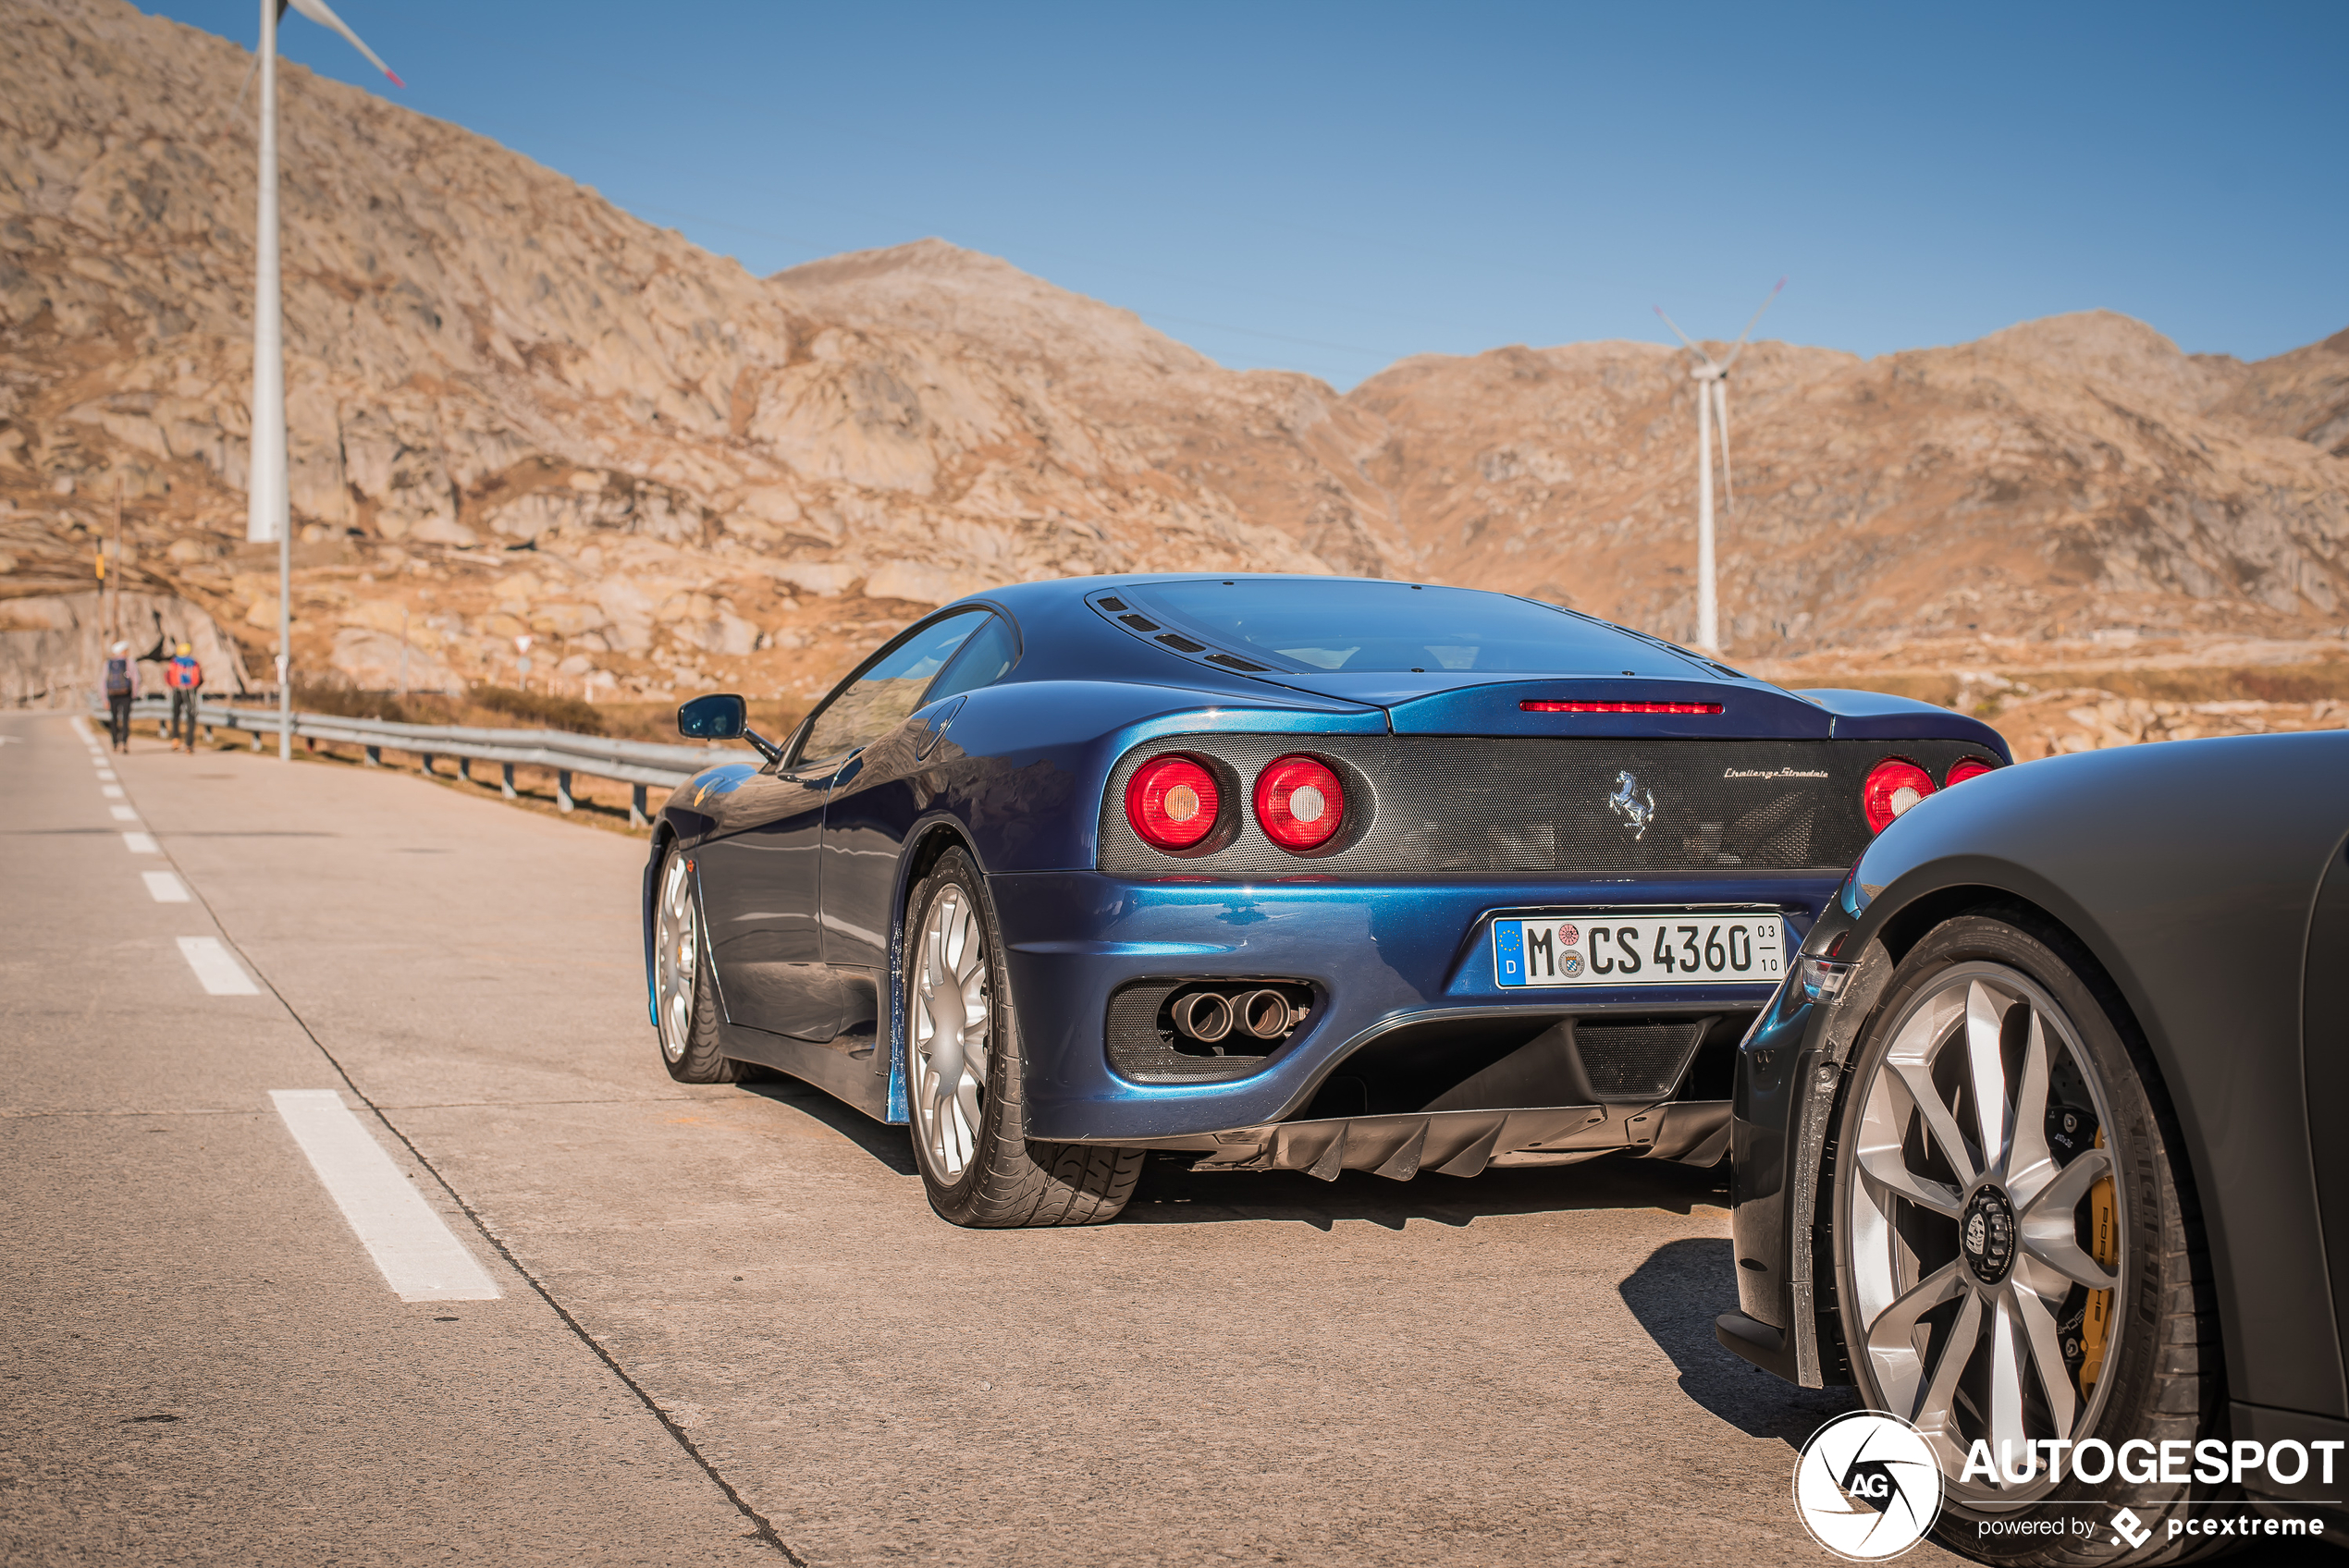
(642, 764)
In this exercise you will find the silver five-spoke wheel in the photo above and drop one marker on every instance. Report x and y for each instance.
(950, 1023)
(1981, 1232)
(676, 959)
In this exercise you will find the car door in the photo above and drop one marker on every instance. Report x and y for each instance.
(873, 801)
(758, 893)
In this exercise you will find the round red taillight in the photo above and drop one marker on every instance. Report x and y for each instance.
(1300, 803)
(1965, 769)
(1894, 785)
(1172, 802)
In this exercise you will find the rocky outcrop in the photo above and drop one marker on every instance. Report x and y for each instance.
(2304, 393)
(2054, 478)
(54, 646)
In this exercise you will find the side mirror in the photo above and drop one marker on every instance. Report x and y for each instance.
(721, 716)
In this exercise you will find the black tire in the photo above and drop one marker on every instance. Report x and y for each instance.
(687, 1034)
(2162, 1378)
(1004, 1182)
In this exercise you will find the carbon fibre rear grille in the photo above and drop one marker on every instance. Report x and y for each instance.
(1630, 1060)
(1143, 1049)
(1448, 805)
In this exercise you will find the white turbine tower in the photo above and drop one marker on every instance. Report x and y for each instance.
(267, 519)
(1712, 378)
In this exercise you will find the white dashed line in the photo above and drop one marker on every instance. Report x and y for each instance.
(111, 792)
(105, 775)
(81, 728)
(421, 1258)
(123, 814)
(166, 888)
(216, 968)
(140, 843)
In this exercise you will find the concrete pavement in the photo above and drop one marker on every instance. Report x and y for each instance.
(730, 1329)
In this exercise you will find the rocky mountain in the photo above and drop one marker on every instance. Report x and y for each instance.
(517, 411)
(2053, 479)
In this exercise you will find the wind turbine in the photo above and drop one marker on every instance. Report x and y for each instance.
(266, 516)
(1712, 378)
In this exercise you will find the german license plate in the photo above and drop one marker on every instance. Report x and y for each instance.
(1639, 950)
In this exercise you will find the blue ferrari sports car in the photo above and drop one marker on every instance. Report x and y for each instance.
(1281, 873)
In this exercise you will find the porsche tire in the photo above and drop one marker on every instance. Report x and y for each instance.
(2043, 1008)
(962, 1077)
(684, 993)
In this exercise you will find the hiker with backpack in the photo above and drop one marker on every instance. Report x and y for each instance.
(185, 677)
(122, 690)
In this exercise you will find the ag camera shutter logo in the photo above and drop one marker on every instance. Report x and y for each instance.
(1867, 1487)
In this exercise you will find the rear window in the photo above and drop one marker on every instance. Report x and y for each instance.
(1348, 624)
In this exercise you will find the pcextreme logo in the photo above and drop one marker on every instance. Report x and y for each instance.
(1866, 1486)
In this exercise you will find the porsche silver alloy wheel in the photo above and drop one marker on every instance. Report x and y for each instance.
(951, 1021)
(676, 937)
(1983, 1230)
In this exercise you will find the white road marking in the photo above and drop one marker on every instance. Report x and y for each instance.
(111, 792)
(123, 814)
(166, 888)
(105, 775)
(140, 843)
(421, 1258)
(81, 728)
(216, 968)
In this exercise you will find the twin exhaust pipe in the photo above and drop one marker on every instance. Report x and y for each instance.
(1210, 1016)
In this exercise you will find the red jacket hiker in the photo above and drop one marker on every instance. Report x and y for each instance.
(185, 677)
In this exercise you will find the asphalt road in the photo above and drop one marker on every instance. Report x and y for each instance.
(726, 1328)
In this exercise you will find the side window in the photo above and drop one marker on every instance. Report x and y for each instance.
(985, 659)
(881, 696)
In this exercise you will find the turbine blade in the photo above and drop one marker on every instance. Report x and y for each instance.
(1721, 416)
(1682, 336)
(318, 11)
(1751, 325)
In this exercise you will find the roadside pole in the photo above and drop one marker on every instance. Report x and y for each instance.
(269, 517)
(114, 606)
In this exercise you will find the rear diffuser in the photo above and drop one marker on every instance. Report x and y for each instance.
(1464, 1143)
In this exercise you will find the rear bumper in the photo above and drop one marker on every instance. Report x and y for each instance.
(1383, 957)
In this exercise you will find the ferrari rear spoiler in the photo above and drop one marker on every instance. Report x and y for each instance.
(1432, 704)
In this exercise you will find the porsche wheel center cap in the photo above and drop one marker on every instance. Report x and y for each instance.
(1986, 1234)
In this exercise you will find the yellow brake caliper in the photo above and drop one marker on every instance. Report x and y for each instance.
(2104, 1245)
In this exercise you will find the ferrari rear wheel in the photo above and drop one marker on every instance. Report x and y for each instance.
(2015, 1259)
(685, 1001)
(962, 1078)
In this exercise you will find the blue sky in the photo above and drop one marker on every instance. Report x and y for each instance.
(1329, 187)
